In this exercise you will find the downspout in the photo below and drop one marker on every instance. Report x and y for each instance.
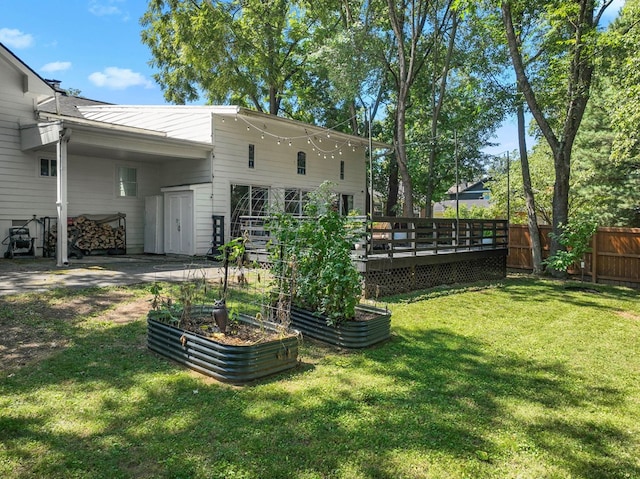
(61, 203)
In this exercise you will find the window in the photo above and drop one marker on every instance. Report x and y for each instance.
(127, 181)
(247, 201)
(48, 167)
(342, 169)
(294, 201)
(346, 204)
(302, 163)
(252, 156)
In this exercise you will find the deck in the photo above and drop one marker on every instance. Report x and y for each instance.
(398, 255)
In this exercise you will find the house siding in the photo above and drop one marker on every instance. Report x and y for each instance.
(22, 195)
(276, 165)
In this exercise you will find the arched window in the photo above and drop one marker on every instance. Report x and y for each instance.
(302, 163)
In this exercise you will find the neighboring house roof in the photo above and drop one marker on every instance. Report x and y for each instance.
(470, 193)
(32, 83)
(469, 190)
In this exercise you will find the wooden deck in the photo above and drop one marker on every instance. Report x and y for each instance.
(399, 255)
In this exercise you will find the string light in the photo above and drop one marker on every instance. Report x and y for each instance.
(314, 140)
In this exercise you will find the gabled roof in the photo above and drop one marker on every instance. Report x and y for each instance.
(477, 185)
(32, 83)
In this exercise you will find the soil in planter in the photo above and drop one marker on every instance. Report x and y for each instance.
(362, 315)
(238, 333)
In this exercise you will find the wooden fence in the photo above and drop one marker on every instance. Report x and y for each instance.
(615, 255)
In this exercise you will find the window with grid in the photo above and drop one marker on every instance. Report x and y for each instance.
(295, 200)
(48, 167)
(127, 182)
(247, 201)
(342, 169)
(302, 163)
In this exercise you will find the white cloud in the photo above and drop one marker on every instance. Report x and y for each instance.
(101, 8)
(55, 67)
(15, 38)
(119, 79)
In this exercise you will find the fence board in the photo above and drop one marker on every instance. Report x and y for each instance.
(616, 250)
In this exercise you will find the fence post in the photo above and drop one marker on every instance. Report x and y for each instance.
(594, 257)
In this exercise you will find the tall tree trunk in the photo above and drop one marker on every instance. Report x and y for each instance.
(392, 194)
(438, 90)
(578, 86)
(401, 156)
(532, 220)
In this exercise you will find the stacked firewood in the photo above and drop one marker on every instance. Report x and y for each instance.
(89, 235)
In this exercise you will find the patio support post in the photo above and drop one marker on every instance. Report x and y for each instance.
(61, 203)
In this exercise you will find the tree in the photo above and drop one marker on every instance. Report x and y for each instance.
(556, 92)
(456, 105)
(622, 43)
(416, 27)
(247, 52)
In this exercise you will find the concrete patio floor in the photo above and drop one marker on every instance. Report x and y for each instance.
(27, 274)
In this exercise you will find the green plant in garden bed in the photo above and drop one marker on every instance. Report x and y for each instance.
(312, 255)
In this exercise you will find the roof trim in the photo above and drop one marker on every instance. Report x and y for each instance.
(81, 124)
(32, 83)
(233, 110)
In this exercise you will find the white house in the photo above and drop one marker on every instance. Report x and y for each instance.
(167, 169)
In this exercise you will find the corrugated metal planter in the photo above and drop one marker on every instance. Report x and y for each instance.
(235, 364)
(348, 334)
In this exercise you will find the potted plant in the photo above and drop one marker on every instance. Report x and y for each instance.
(312, 256)
(195, 328)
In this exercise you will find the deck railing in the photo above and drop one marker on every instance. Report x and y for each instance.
(413, 236)
(391, 236)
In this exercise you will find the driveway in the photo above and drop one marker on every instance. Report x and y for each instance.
(23, 275)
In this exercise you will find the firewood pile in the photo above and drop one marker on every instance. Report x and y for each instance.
(90, 235)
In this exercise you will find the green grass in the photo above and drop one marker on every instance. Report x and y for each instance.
(518, 379)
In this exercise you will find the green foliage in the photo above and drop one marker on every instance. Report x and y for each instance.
(176, 303)
(244, 52)
(576, 238)
(602, 188)
(467, 212)
(312, 256)
(163, 307)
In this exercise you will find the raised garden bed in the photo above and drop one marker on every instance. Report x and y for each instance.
(373, 328)
(233, 363)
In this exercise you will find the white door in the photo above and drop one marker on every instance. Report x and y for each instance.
(179, 223)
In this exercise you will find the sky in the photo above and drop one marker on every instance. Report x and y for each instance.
(94, 46)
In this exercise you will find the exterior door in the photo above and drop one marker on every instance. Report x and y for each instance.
(179, 229)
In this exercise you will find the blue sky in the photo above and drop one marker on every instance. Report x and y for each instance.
(95, 46)
(91, 45)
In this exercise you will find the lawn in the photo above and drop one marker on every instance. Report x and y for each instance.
(522, 378)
